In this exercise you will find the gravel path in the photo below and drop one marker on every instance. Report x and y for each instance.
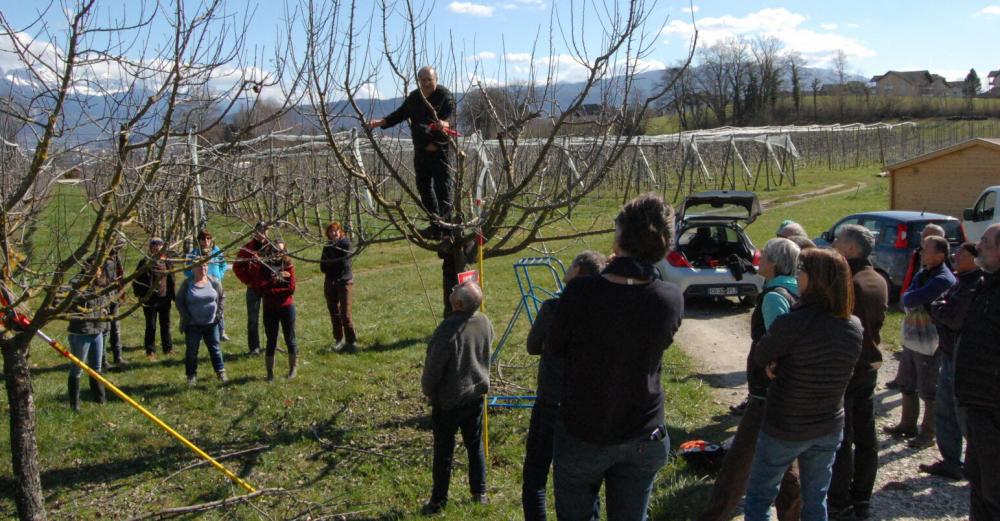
(717, 337)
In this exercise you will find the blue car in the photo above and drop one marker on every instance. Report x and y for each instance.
(897, 235)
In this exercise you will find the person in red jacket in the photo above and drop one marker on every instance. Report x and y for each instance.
(247, 268)
(276, 284)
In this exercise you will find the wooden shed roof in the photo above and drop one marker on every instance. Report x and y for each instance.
(993, 143)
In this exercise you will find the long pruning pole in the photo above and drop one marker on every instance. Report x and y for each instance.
(14, 320)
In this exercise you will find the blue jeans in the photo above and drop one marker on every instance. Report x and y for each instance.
(285, 318)
(627, 471)
(469, 419)
(253, 320)
(89, 348)
(193, 335)
(773, 456)
(949, 435)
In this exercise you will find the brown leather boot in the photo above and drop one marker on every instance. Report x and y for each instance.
(907, 426)
(926, 436)
(293, 365)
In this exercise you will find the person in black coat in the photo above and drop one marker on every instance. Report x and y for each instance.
(810, 354)
(977, 383)
(338, 284)
(612, 331)
(545, 413)
(154, 286)
(429, 111)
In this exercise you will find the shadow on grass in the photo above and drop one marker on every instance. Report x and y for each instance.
(379, 347)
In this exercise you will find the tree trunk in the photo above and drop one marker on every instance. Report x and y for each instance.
(455, 259)
(23, 447)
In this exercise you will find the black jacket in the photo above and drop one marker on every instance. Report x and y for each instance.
(757, 380)
(335, 263)
(551, 367)
(815, 354)
(977, 354)
(416, 111)
(612, 338)
(949, 312)
(150, 279)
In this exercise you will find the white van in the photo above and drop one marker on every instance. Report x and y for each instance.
(975, 220)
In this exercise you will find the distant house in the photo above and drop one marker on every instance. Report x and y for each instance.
(911, 83)
(844, 89)
(946, 180)
(994, 84)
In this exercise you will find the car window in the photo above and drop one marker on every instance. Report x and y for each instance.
(890, 230)
(985, 206)
(952, 231)
(874, 225)
(849, 220)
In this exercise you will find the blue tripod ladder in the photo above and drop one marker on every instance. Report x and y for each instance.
(532, 296)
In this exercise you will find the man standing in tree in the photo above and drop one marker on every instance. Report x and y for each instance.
(428, 110)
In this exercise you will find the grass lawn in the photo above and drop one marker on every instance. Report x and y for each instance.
(352, 432)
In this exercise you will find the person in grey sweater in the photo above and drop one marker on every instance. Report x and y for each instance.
(199, 303)
(456, 377)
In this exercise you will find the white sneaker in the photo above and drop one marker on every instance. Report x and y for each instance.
(192, 380)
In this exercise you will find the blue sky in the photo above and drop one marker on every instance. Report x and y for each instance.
(945, 38)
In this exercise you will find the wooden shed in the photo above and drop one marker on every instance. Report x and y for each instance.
(945, 181)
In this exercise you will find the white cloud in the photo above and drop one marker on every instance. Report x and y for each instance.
(470, 8)
(854, 26)
(482, 56)
(692, 9)
(990, 9)
(828, 27)
(517, 57)
(816, 47)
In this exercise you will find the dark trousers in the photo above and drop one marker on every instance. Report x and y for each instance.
(982, 459)
(856, 464)
(193, 335)
(538, 459)
(468, 419)
(338, 303)
(112, 338)
(731, 482)
(285, 318)
(253, 318)
(434, 183)
(153, 310)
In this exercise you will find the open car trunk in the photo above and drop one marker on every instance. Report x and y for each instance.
(715, 245)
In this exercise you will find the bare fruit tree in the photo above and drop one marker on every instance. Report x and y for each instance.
(513, 191)
(152, 67)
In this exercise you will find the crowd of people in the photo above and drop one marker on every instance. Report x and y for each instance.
(262, 265)
(806, 442)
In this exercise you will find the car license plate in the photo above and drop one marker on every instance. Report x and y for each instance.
(715, 292)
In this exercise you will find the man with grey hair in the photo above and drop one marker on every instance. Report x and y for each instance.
(541, 430)
(429, 110)
(856, 463)
(977, 364)
(456, 376)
